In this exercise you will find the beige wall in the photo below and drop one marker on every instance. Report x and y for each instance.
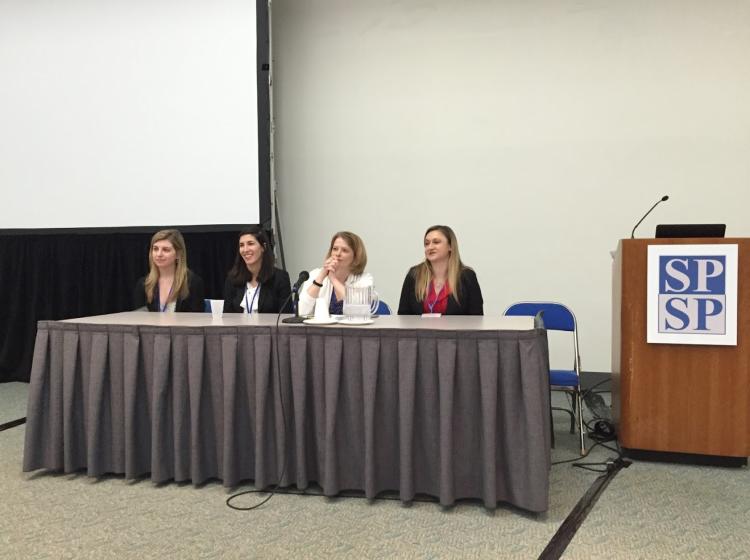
(540, 130)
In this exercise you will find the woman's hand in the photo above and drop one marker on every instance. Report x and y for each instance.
(329, 269)
(329, 266)
(338, 285)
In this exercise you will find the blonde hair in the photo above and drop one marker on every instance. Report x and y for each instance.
(357, 246)
(423, 271)
(180, 287)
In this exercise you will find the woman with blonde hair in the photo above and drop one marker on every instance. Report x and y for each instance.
(169, 285)
(441, 284)
(344, 266)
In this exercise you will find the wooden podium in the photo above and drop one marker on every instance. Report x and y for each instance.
(677, 398)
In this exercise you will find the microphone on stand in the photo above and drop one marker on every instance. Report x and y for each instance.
(662, 199)
(303, 276)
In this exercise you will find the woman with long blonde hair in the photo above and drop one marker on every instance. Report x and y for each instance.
(169, 285)
(441, 284)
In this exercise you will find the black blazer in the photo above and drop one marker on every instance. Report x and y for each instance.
(470, 295)
(194, 302)
(273, 293)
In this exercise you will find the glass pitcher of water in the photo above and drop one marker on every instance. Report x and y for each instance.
(360, 302)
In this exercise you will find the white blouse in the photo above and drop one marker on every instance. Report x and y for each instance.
(307, 303)
(252, 295)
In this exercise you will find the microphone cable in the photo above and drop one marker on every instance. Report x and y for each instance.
(274, 488)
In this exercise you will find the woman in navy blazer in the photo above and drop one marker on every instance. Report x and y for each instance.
(441, 283)
(253, 284)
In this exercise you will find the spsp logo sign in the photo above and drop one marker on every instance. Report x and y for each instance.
(692, 294)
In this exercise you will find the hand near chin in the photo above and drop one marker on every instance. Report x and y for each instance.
(330, 265)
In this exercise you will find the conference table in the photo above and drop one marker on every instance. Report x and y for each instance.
(451, 407)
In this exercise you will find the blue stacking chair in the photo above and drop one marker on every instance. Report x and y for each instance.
(383, 308)
(558, 317)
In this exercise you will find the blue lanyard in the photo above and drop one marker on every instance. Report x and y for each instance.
(249, 308)
(431, 306)
(163, 308)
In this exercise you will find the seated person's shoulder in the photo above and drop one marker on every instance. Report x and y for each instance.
(281, 273)
(468, 272)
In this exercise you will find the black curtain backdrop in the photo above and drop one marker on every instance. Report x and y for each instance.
(53, 276)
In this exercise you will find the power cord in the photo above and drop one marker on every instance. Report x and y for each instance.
(588, 451)
(357, 496)
(591, 389)
(608, 464)
(601, 433)
(274, 488)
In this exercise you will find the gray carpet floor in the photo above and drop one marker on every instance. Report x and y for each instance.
(649, 510)
(12, 401)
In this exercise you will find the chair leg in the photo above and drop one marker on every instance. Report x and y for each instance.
(581, 432)
(573, 416)
(552, 428)
(551, 421)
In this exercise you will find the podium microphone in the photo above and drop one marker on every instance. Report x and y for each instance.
(662, 199)
(303, 276)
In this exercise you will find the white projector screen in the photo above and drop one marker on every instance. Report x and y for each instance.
(128, 113)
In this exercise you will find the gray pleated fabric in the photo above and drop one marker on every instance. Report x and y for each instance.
(453, 414)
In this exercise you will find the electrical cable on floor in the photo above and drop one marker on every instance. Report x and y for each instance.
(600, 437)
(12, 424)
(602, 433)
(591, 389)
(567, 530)
(426, 500)
(579, 457)
(607, 464)
(275, 488)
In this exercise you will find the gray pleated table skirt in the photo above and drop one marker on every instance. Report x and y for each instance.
(450, 413)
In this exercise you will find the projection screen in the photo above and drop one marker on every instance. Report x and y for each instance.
(128, 113)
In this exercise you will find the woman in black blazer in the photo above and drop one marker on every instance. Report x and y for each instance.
(442, 283)
(253, 284)
(169, 286)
